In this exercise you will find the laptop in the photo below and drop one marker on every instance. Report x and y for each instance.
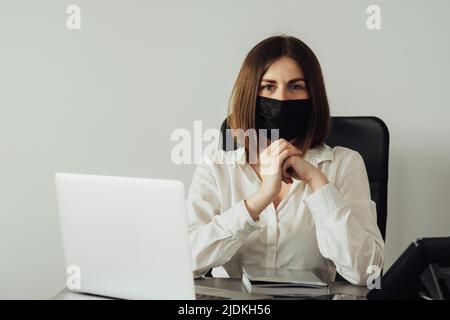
(127, 238)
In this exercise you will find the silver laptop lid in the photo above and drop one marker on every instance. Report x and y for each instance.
(128, 236)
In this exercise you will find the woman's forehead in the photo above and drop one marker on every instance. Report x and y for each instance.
(283, 69)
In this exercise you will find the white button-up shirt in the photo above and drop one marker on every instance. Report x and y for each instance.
(331, 229)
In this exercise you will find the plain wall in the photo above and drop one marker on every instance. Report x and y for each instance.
(105, 99)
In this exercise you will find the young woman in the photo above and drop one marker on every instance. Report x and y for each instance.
(312, 210)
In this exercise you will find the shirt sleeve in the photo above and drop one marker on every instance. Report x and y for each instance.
(346, 221)
(215, 234)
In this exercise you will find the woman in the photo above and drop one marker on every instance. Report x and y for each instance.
(296, 203)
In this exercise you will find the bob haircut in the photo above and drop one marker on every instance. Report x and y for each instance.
(242, 103)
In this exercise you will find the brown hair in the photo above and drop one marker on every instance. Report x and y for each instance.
(241, 113)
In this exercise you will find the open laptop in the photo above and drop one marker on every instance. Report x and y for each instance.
(128, 238)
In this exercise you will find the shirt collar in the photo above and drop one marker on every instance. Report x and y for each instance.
(319, 154)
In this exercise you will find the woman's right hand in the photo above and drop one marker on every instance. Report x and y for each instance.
(270, 168)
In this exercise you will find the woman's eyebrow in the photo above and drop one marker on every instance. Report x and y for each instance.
(290, 81)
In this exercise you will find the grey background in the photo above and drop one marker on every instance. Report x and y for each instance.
(105, 99)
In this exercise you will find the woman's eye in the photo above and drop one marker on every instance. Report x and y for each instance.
(270, 87)
(296, 87)
(267, 87)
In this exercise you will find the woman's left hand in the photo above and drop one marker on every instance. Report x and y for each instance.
(295, 167)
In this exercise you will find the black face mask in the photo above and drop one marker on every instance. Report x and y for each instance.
(291, 117)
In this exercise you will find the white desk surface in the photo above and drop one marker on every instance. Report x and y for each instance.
(343, 290)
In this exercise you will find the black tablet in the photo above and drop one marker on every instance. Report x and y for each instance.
(403, 280)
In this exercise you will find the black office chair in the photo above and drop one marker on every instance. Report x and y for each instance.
(370, 137)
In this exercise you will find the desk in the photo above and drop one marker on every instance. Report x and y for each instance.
(343, 290)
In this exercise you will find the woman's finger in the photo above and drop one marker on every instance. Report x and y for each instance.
(287, 180)
(278, 149)
(286, 153)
